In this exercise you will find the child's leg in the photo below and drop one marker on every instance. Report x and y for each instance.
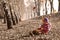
(35, 32)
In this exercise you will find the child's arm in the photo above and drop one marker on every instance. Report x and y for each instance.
(39, 29)
(49, 27)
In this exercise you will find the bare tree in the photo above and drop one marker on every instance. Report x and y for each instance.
(8, 18)
(38, 13)
(16, 18)
(46, 6)
(34, 8)
(51, 4)
(35, 4)
(13, 19)
(4, 18)
(59, 5)
(3, 6)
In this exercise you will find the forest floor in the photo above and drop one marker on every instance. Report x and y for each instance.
(21, 30)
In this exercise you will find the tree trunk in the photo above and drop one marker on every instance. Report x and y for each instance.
(4, 18)
(8, 19)
(35, 8)
(12, 16)
(51, 4)
(16, 18)
(3, 6)
(59, 5)
(9, 25)
(38, 13)
(46, 7)
(36, 5)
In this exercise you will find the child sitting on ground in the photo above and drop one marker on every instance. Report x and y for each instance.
(44, 28)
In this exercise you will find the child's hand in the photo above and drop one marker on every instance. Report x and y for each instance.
(38, 30)
(41, 28)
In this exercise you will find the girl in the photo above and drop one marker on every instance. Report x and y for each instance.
(44, 28)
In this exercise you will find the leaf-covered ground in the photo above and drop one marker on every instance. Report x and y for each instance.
(21, 30)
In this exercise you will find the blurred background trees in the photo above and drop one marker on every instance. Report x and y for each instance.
(20, 10)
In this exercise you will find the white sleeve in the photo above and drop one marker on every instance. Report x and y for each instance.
(49, 27)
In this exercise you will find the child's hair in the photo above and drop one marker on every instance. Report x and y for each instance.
(46, 19)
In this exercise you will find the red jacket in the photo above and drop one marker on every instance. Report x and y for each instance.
(46, 28)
